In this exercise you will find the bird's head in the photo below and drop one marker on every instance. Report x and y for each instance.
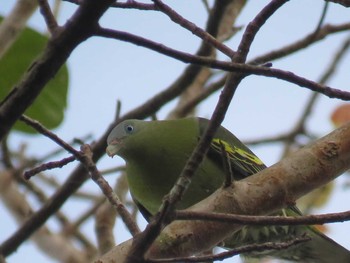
(121, 135)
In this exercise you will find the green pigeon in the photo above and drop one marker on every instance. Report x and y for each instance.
(156, 152)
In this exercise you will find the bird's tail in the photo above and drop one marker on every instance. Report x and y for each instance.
(323, 249)
(320, 248)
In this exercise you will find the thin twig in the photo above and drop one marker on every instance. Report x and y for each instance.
(255, 25)
(50, 19)
(125, 5)
(107, 190)
(227, 66)
(41, 129)
(118, 110)
(184, 109)
(322, 18)
(239, 250)
(47, 166)
(304, 42)
(59, 150)
(299, 128)
(5, 154)
(206, 5)
(85, 156)
(264, 220)
(177, 18)
(331, 69)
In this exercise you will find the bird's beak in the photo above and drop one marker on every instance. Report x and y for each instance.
(113, 147)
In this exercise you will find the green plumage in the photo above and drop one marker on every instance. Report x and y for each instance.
(156, 152)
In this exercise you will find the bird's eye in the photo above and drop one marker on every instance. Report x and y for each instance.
(129, 128)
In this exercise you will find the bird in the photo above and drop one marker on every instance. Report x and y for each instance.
(155, 153)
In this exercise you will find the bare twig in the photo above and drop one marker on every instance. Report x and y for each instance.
(228, 66)
(331, 69)
(177, 18)
(53, 153)
(85, 156)
(105, 218)
(5, 154)
(300, 44)
(299, 128)
(47, 166)
(206, 5)
(118, 110)
(86, 159)
(240, 250)
(322, 18)
(126, 5)
(50, 20)
(255, 25)
(265, 220)
(183, 109)
(41, 129)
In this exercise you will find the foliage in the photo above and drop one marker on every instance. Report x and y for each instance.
(50, 105)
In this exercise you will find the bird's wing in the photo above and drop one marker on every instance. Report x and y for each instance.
(243, 162)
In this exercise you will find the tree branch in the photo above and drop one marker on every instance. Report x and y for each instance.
(177, 18)
(50, 20)
(264, 220)
(227, 66)
(319, 163)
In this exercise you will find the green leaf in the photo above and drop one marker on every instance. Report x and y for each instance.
(49, 106)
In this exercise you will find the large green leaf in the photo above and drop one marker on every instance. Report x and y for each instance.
(49, 106)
